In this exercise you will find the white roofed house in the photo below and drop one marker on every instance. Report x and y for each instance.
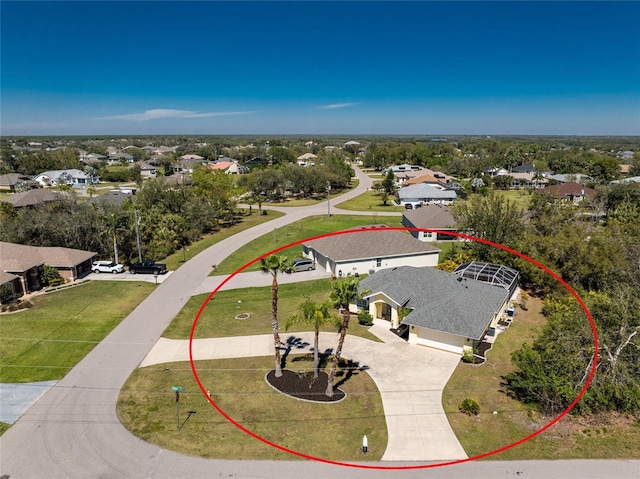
(72, 177)
(307, 159)
(426, 194)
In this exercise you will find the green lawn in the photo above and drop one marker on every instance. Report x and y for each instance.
(3, 427)
(46, 341)
(369, 201)
(299, 230)
(331, 431)
(573, 437)
(521, 198)
(317, 199)
(218, 318)
(174, 261)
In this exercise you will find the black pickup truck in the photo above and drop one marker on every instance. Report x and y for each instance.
(149, 267)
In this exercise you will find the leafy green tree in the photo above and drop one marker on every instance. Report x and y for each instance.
(344, 292)
(49, 276)
(275, 265)
(317, 316)
(492, 218)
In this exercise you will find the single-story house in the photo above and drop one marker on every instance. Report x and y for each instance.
(437, 217)
(9, 181)
(306, 159)
(574, 192)
(147, 170)
(571, 178)
(397, 169)
(495, 171)
(427, 180)
(442, 310)
(26, 262)
(191, 157)
(423, 193)
(72, 177)
(526, 168)
(368, 250)
(632, 179)
(229, 167)
(34, 197)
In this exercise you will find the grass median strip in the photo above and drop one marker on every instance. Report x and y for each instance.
(43, 343)
(370, 201)
(299, 230)
(333, 431)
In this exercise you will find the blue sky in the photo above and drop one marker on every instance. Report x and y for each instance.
(93, 68)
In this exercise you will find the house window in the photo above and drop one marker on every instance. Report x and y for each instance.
(378, 263)
(427, 234)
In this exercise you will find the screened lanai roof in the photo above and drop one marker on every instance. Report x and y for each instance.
(494, 274)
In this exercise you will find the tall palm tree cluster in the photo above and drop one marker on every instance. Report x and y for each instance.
(344, 292)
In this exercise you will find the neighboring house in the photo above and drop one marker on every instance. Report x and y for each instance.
(72, 177)
(495, 171)
(307, 159)
(187, 165)
(427, 194)
(633, 179)
(147, 170)
(9, 181)
(33, 198)
(436, 217)
(527, 168)
(528, 180)
(367, 250)
(91, 157)
(22, 265)
(115, 197)
(120, 157)
(427, 180)
(229, 167)
(569, 191)
(571, 178)
(398, 169)
(191, 157)
(441, 310)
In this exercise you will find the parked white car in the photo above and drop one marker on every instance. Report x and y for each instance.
(107, 267)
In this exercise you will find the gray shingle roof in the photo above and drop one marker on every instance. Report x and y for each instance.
(369, 244)
(33, 197)
(440, 301)
(431, 216)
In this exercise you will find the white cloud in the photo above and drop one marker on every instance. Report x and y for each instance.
(337, 105)
(166, 113)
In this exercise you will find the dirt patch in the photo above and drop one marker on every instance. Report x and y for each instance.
(303, 386)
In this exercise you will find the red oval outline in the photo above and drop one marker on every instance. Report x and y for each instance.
(418, 466)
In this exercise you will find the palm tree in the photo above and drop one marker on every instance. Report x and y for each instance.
(344, 292)
(274, 265)
(317, 315)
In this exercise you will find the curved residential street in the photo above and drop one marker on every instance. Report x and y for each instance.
(73, 430)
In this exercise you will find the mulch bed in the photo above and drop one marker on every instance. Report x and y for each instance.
(304, 386)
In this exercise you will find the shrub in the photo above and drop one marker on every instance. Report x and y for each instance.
(469, 407)
(365, 318)
(467, 356)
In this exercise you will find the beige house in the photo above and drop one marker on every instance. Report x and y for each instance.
(366, 250)
(447, 311)
(21, 265)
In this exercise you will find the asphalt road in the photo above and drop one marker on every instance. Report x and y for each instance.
(74, 432)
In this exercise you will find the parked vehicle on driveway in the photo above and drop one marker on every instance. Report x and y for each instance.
(148, 267)
(107, 267)
(303, 265)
